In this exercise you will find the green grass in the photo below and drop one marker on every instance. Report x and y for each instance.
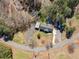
(19, 54)
(19, 38)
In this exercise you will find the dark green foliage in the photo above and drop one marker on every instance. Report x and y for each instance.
(69, 32)
(5, 32)
(53, 11)
(61, 7)
(59, 11)
(43, 19)
(73, 3)
(67, 12)
(4, 29)
(5, 52)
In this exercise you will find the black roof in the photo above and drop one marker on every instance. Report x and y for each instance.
(45, 28)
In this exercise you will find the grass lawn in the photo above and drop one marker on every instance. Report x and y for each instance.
(20, 54)
(19, 38)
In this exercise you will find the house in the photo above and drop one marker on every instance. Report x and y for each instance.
(44, 27)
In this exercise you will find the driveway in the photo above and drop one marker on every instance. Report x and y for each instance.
(29, 33)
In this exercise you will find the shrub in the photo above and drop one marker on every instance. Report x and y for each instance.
(69, 32)
(2, 29)
(19, 38)
(38, 36)
(6, 32)
(5, 52)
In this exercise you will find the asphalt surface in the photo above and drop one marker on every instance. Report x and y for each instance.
(27, 48)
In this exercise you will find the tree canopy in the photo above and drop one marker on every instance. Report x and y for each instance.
(65, 8)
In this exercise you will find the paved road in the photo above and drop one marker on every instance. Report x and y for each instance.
(27, 48)
(66, 41)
